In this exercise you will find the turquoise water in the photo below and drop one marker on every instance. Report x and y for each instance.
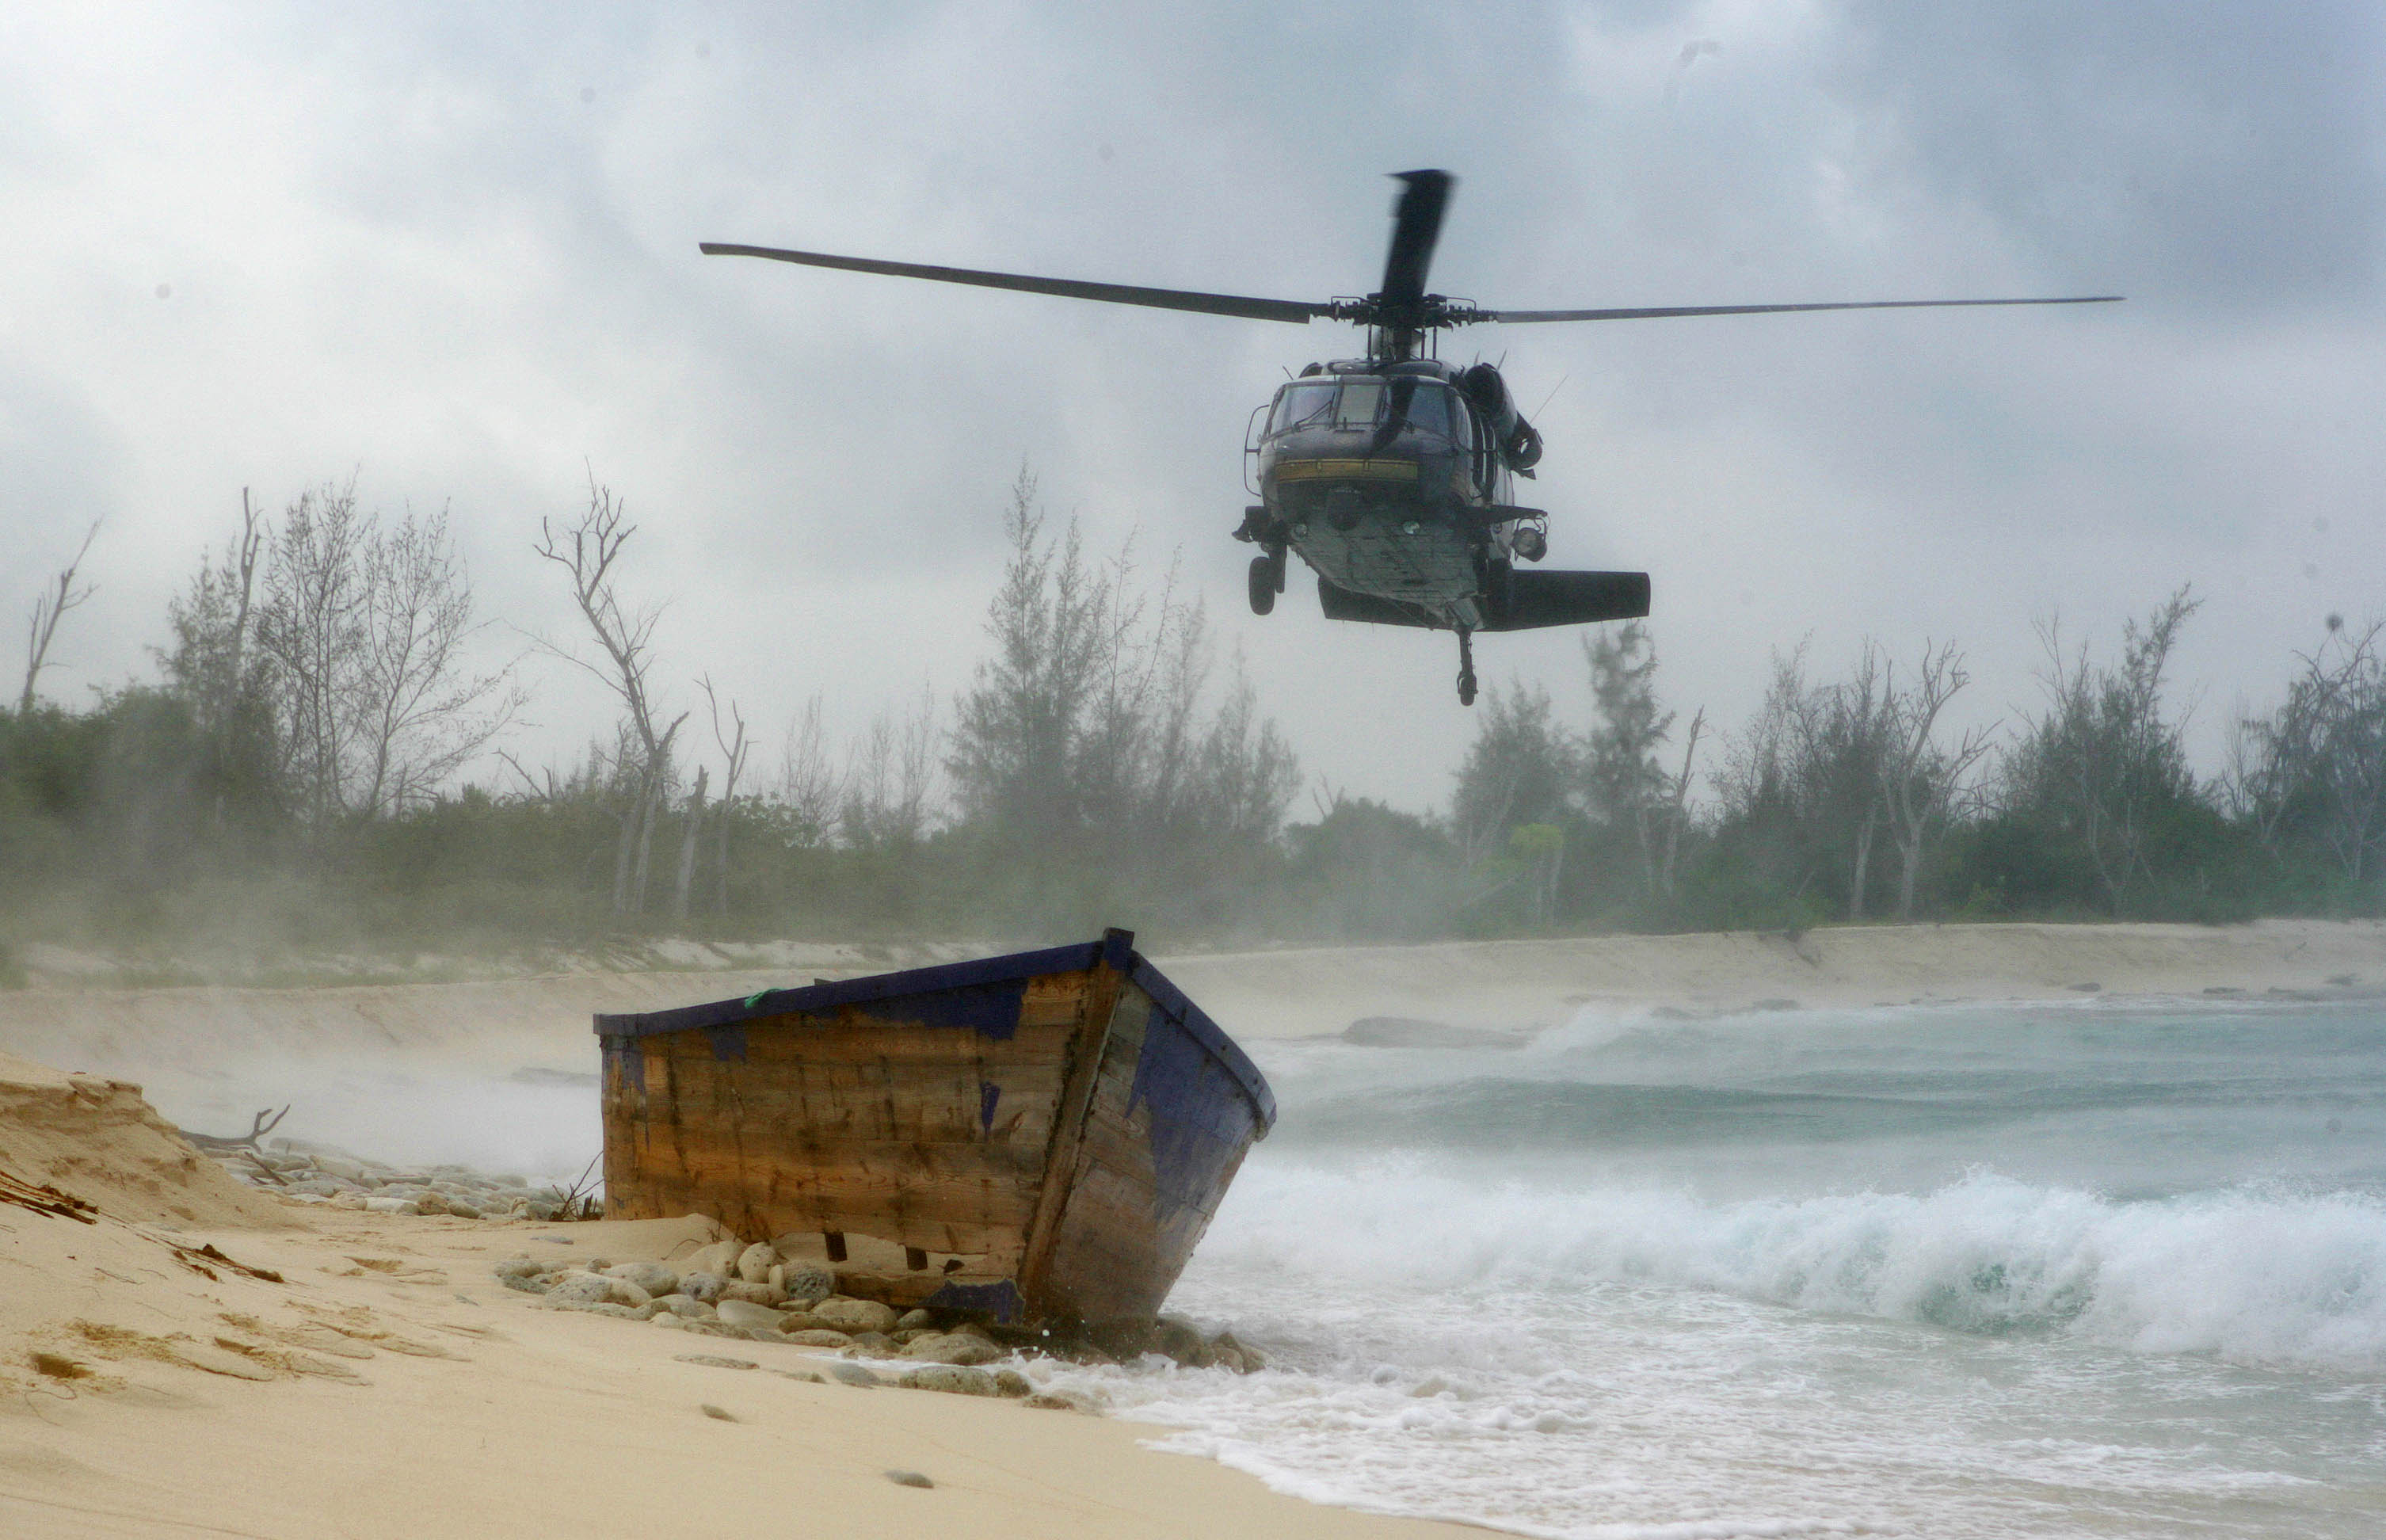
(2099, 1268)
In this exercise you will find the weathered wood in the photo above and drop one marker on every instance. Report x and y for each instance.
(1046, 1133)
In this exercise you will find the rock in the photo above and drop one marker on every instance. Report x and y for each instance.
(627, 1293)
(711, 1360)
(909, 1478)
(753, 1294)
(521, 1267)
(590, 1288)
(716, 1413)
(1010, 1382)
(539, 1209)
(1180, 1340)
(664, 1318)
(872, 1345)
(953, 1347)
(855, 1375)
(355, 1200)
(754, 1263)
(533, 1283)
(341, 1167)
(653, 1277)
(705, 1286)
(462, 1210)
(718, 1258)
(1061, 1400)
(1237, 1355)
(855, 1315)
(776, 1279)
(952, 1379)
(818, 1338)
(913, 1321)
(906, 1338)
(428, 1202)
(600, 1307)
(1127, 1339)
(806, 1375)
(807, 1282)
(744, 1313)
(681, 1305)
(391, 1206)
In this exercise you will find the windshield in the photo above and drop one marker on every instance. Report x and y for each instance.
(1302, 401)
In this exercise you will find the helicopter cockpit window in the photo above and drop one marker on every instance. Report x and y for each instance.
(1429, 410)
(1361, 401)
(1300, 403)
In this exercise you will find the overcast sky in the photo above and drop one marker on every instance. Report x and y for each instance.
(452, 248)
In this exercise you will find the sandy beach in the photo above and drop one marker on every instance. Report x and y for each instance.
(381, 1382)
(181, 1355)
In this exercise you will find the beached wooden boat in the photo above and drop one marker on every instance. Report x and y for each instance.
(1041, 1137)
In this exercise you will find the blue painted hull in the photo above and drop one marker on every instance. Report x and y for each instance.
(1043, 1135)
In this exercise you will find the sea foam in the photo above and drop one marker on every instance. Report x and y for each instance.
(2257, 1274)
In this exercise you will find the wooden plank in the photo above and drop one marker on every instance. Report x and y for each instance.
(1111, 1005)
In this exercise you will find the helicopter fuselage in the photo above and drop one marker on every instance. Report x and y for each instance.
(1389, 482)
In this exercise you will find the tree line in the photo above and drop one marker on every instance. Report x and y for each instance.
(295, 772)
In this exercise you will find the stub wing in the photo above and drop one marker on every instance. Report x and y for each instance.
(1534, 599)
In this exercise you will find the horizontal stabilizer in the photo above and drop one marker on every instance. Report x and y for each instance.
(1570, 599)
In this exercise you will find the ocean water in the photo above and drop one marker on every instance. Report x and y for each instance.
(2093, 1268)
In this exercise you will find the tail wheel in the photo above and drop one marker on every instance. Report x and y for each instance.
(1266, 579)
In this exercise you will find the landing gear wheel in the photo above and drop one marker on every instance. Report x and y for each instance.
(1266, 579)
(1465, 666)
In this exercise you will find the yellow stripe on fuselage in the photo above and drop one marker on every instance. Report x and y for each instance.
(1348, 471)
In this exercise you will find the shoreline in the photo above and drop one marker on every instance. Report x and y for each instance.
(1510, 986)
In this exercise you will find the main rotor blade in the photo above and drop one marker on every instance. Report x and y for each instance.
(1071, 288)
(1416, 225)
(1652, 314)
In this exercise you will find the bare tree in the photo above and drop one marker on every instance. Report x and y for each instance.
(59, 598)
(421, 716)
(1678, 804)
(811, 783)
(889, 777)
(312, 625)
(366, 631)
(734, 746)
(588, 550)
(1921, 778)
(691, 826)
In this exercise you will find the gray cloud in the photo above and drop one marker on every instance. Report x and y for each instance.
(456, 248)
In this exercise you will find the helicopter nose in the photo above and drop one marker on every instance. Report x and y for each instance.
(1342, 508)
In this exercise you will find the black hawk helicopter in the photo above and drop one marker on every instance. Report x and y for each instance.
(1393, 475)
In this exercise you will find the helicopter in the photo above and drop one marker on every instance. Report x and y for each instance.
(1393, 475)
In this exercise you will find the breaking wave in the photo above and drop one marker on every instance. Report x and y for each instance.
(2258, 1275)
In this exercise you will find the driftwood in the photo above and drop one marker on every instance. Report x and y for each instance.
(264, 1122)
(44, 1199)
